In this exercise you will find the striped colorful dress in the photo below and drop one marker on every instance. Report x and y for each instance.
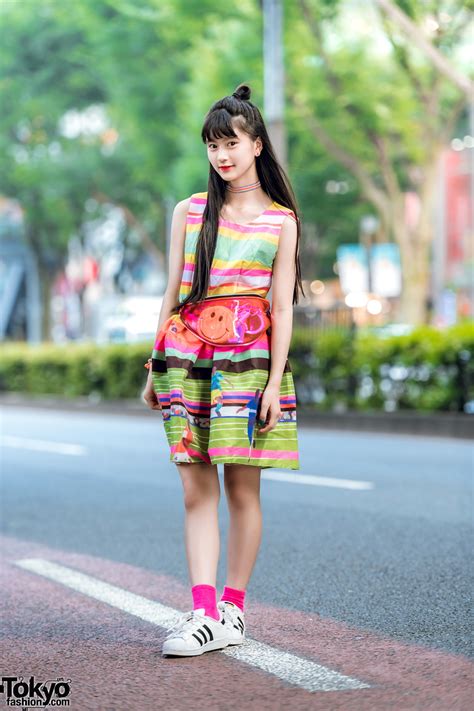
(209, 394)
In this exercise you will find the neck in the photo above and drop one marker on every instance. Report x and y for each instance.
(245, 190)
(247, 182)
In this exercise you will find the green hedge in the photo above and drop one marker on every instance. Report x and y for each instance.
(427, 370)
(108, 372)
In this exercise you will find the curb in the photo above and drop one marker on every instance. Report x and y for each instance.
(434, 424)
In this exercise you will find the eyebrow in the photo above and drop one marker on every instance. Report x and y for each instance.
(225, 138)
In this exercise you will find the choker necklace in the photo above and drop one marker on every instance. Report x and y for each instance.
(243, 188)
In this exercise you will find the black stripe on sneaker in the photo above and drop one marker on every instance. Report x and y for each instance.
(211, 636)
(198, 639)
(201, 632)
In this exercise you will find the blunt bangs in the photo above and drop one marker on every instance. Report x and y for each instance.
(220, 124)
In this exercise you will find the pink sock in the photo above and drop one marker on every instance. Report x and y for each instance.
(233, 595)
(205, 596)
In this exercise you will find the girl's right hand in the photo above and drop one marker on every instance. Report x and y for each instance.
(149, 396)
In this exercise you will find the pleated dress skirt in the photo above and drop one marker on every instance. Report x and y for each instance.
(210, 398)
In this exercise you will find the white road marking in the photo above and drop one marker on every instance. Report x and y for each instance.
(312, 480)
(289, 667)
(43, 445)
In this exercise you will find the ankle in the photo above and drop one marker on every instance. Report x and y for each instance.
(205, 596)
(234, 595)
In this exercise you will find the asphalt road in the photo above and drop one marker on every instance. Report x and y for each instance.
(368, 549)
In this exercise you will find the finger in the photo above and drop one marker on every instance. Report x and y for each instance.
(269, 426)
(265, 427)
(272, 423)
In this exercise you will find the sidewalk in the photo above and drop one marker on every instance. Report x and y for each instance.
(437, 424)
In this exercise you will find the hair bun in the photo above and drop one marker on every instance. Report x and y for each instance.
(242, 92)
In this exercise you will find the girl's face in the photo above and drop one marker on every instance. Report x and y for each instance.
(237, 153)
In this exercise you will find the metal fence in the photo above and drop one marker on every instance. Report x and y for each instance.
(338, 317)
(317, 380)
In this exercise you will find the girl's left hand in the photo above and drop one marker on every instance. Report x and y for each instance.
(270, 411)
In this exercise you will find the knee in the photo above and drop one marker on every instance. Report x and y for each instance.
(240, 496)
(198, 495)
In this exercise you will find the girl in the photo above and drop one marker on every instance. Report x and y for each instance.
(219, 369)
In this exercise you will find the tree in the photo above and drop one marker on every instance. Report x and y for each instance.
(64, 59)
(387, 122)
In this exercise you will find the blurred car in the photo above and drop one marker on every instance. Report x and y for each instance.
(131, 319)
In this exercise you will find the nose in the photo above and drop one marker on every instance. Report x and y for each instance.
(222, 157)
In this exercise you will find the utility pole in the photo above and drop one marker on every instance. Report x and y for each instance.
(273, 77)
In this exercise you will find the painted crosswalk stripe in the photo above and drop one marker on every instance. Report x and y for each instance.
(289, 667)
(313, 480)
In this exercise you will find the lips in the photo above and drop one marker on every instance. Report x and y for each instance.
(225, 167)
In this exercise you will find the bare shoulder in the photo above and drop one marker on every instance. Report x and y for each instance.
(179, 219)
(182, 207)
(288, 232)
(177, 246)
(178, 222)
(289, 223)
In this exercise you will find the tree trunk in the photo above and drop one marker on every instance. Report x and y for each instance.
(45, 279)
(415, 260)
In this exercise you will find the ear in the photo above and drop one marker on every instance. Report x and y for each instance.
(258, 146)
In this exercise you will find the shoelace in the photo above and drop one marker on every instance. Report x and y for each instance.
(185, 621)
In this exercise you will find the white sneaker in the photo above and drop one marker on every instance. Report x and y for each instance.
(195, 633)
(235, 621)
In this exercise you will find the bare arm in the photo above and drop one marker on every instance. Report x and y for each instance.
(283, 283)
(171, 295)
(175, 262)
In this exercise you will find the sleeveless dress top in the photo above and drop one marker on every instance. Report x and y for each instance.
(244, 254)
(210, 395)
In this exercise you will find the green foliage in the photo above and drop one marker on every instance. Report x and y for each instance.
(427, 370)
(74, 370)
(157, 66)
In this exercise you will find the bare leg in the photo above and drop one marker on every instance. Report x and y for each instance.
(201, 500)
(242, 486)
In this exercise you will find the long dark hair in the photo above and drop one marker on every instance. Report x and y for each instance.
(273, 180)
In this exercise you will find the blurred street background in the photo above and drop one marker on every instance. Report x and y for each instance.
(367, 550)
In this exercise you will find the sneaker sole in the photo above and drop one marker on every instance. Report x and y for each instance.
(234, 640)
(208, 647)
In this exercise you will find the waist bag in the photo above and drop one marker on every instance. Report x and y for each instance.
(222, 320)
